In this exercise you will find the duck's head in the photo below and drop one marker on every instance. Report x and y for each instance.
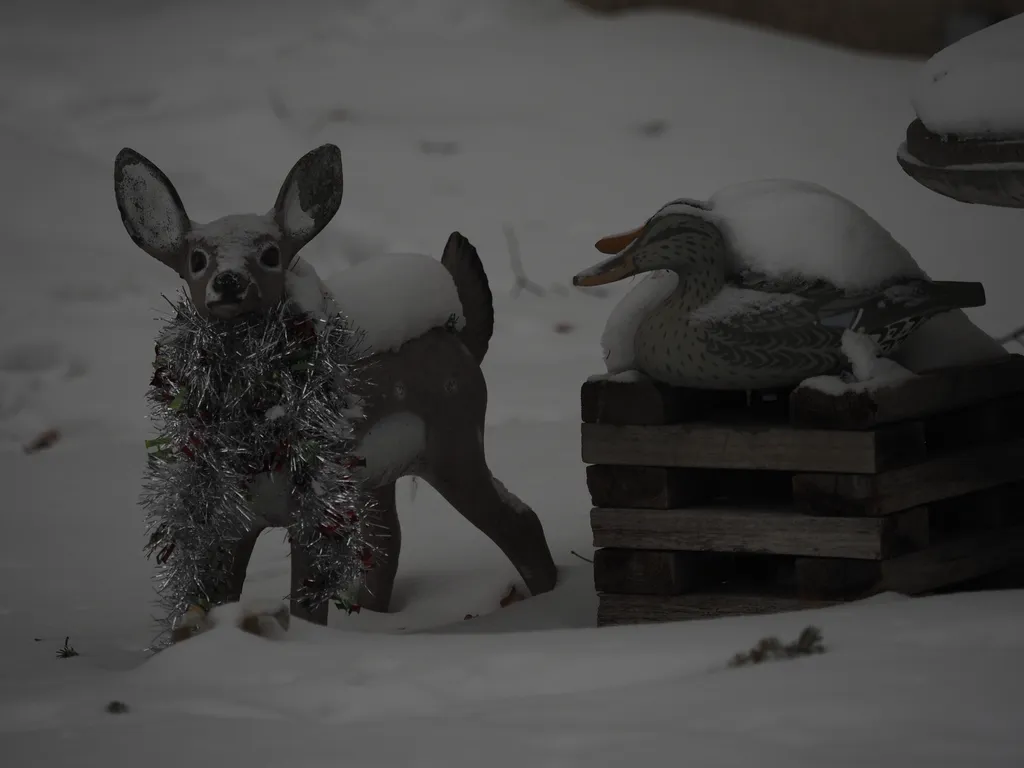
(679, 236)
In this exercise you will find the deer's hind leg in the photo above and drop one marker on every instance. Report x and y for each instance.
(461, 475)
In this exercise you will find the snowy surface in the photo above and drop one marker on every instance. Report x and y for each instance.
(975, 87)
(468, 115)
(865, 363)
(393, 298)
(867, 370)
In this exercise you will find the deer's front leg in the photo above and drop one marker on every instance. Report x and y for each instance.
(386, 538)
(302, 573)
(241, 554)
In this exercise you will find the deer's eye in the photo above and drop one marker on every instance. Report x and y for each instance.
(271, 257)
(197, 261)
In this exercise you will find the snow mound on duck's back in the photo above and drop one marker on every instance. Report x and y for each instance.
(784, 227)
(973, 87)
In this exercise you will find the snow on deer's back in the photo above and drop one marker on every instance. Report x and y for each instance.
(391, 298)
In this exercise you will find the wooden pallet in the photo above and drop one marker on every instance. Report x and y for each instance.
(712, 504)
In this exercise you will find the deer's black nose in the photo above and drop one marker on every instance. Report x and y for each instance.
(229, 285)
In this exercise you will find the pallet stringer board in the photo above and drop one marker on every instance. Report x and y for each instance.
(760, 447)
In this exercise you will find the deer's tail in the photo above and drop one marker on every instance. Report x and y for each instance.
(463, 262)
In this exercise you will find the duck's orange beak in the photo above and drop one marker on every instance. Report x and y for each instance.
(619, 267)
(618, 243)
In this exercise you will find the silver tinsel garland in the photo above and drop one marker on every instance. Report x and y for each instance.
(234, 400)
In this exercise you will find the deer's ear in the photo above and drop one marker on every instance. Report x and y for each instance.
(150, 207)
(310, 196)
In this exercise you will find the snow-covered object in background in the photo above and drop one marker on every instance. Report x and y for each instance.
(784, 229)
(394, 298)
(975, 87)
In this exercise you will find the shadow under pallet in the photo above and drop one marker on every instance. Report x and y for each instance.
(723, 503)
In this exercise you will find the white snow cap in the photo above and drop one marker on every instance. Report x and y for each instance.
(975, 87)
(397, 297)
(391, 298)
(784, 227)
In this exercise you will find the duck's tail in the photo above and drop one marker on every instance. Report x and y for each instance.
(894, 312)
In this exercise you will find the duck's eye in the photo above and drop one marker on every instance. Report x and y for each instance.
(271, 257)
(197, 261)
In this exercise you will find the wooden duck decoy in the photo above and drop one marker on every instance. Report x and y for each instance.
(728, 326)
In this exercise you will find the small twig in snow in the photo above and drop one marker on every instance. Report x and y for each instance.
(772, 649)
(653, 128)
(1014, 336)
(581, 557)
(515, 260)
(512, 596)
(43, 441)
(66, 652)
(443, 148)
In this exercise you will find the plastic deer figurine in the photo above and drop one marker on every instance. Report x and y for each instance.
(425, 398)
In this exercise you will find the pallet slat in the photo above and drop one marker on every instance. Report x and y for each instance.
(645, 402)
(637, 609)
(944, 564)
(647, 487)
(672, 487)
(988, 422)
(943, 477)
(948, 563)
(776, 447)
(758, 531)
(929, 393)
(650, 572)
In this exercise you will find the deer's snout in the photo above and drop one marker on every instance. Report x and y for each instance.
(230, 286)
(230, 293)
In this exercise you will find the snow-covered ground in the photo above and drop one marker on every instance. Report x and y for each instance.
(476, 115)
